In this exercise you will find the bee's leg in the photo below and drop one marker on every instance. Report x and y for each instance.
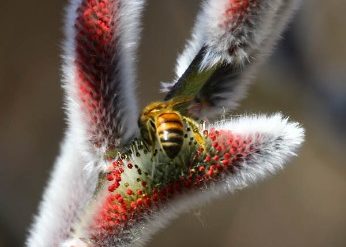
(147, 138)
(196, 132)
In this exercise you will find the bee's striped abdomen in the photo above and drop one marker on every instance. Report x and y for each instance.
(170, 130)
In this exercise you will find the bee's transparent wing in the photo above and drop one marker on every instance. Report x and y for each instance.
(229, 41)
(99, 70)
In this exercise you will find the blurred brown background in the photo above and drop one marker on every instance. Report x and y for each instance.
(305, 205)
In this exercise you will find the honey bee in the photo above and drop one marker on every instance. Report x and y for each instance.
(161, 123)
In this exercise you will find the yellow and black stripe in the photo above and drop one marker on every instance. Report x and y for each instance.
(170, 131)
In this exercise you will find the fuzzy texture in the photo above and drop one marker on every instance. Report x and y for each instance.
(101, 37)
(92, 128)
(237, 35)
(74, 243)
(60, 209)
(138, 199)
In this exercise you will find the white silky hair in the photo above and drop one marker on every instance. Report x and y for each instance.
(275, 138)
(208, 32)
(75, 242)
(75, 174)
(69, 188)
(129, 25)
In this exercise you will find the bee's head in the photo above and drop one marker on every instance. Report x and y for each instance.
(150, 112)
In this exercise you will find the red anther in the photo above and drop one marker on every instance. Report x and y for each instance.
(123, 217)
(129, 192)
(219, 148)
(227, 156)
(133, 205)
(107, 218)
(110, 177)
(139, 201)
(225, 162)
(212, 137)
(201, 168)
(129, 165)
(114, 207)
(205, 132)
(120, 199)
(210, 172)
(207, 158)
(215, 144)
(117, 184)
(233, 150)
(139, 192)
(144, 184)
(111, 188)
(216, 158)
(101, 5)
(122, 209)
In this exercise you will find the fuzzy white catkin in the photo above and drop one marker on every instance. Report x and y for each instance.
(69, 189)
(74, 177)
(126, 36)
(276, 141)
(218, 39)
(251, 42)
